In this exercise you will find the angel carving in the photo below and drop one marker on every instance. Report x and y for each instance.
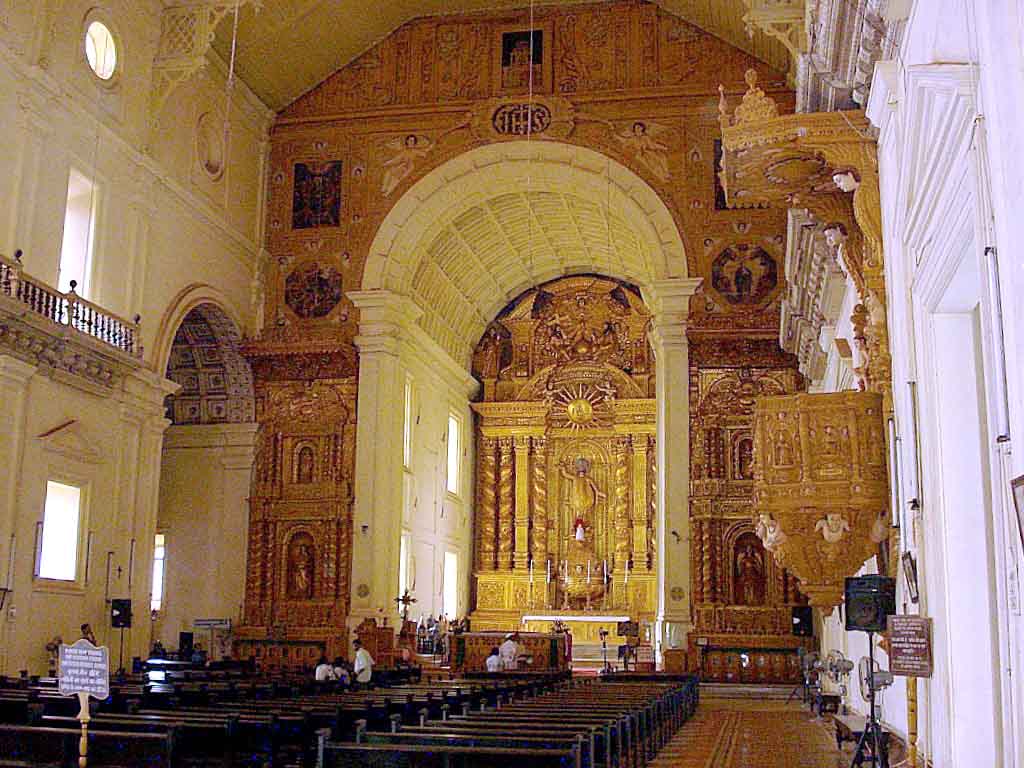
(640, 140)
(407, 151)
(832, 527)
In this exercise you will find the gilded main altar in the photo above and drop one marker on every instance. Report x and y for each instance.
(565, 445)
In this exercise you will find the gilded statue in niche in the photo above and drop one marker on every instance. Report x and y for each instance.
(744, 458)
(301, 567)
(749, 571)
(305, 465)
(583, 496)
(316, 198)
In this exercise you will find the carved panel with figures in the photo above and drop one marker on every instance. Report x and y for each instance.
(297, 577)
(742, 597)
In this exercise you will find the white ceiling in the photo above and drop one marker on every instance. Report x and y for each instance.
(290, 46)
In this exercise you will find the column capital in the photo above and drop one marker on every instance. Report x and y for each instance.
(384, 317)
(672, 297)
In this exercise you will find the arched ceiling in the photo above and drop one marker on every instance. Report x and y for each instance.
(216, 381)
(290, 46)
(488, 252)
(477, 231)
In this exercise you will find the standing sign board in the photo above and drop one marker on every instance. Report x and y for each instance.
(84, 668)
(910, 646)
(85, 672)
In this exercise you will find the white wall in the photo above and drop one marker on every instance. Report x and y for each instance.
(436, 520)
(204, 515)
(162, 225)
(950, 141)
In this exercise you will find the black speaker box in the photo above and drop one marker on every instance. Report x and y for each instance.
(121, 614)
(185, 640)
(803, 621)
(869, 600)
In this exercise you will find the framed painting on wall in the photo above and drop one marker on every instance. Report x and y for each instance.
(523, 58)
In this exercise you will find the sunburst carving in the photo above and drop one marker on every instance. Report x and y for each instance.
(580, 405)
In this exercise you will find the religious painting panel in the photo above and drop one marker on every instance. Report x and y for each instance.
(316, 195)
(312, 290)
(523, 59)
(744, 274)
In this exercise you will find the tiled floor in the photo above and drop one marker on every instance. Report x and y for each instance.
(731, 733)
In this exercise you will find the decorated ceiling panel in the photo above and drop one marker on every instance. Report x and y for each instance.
(287, 47)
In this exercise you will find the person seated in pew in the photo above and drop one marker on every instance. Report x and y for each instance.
(493, 661)
(158, 652)
(341, 672)
(324, 672)
(363, 666)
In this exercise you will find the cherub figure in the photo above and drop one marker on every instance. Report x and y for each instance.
(832, 527)
(398, 166)
(640, 141)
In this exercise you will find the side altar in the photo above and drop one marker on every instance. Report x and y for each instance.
(565, 483)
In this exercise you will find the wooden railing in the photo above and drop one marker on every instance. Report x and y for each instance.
(69, 308)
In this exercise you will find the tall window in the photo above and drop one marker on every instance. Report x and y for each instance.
(450, 593)
(79, 226)
(454, 452)
(58, 548)
(403, 569)
(407, 426)
(159, 554)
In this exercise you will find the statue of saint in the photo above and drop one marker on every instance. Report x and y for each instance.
(749, 573)
(583, 497)
(301, 582)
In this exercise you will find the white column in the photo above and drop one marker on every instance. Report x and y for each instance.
(385, 318)
(14, 383)
(670, 303)
(34, 129)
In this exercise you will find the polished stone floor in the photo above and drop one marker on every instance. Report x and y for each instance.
(744, 733)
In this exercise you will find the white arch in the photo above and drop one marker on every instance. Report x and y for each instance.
(537, 166)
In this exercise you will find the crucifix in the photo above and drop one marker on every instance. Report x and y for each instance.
(405, 601)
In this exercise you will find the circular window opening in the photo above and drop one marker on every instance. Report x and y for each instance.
(100, 50)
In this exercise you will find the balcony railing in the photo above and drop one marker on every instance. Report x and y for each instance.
(68, 309)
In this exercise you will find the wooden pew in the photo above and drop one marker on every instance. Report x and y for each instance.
(24, 745)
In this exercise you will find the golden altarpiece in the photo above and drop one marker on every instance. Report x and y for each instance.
(565, 475)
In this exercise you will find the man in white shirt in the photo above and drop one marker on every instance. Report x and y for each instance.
(509, 653)
(493, 661)
(324, 672)
(363, 666)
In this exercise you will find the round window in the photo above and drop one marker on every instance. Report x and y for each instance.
(100, 50)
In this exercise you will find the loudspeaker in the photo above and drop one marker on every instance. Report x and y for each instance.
(803, 621)
(869, 600)
(185, 641)
(121, 614)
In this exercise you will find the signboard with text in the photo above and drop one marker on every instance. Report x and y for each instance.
(84, 668)
(910, 646)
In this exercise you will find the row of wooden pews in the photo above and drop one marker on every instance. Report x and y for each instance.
(584, 723)
(264, 722)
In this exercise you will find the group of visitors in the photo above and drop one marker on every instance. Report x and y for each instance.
(347, 675)
(505, 657)
(433, 636)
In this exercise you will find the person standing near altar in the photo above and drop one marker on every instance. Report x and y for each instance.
(508, 652)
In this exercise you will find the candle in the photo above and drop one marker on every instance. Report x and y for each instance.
(604, 571)
(588, 571)
(531, 571)
(627, 572)
(547, 577)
